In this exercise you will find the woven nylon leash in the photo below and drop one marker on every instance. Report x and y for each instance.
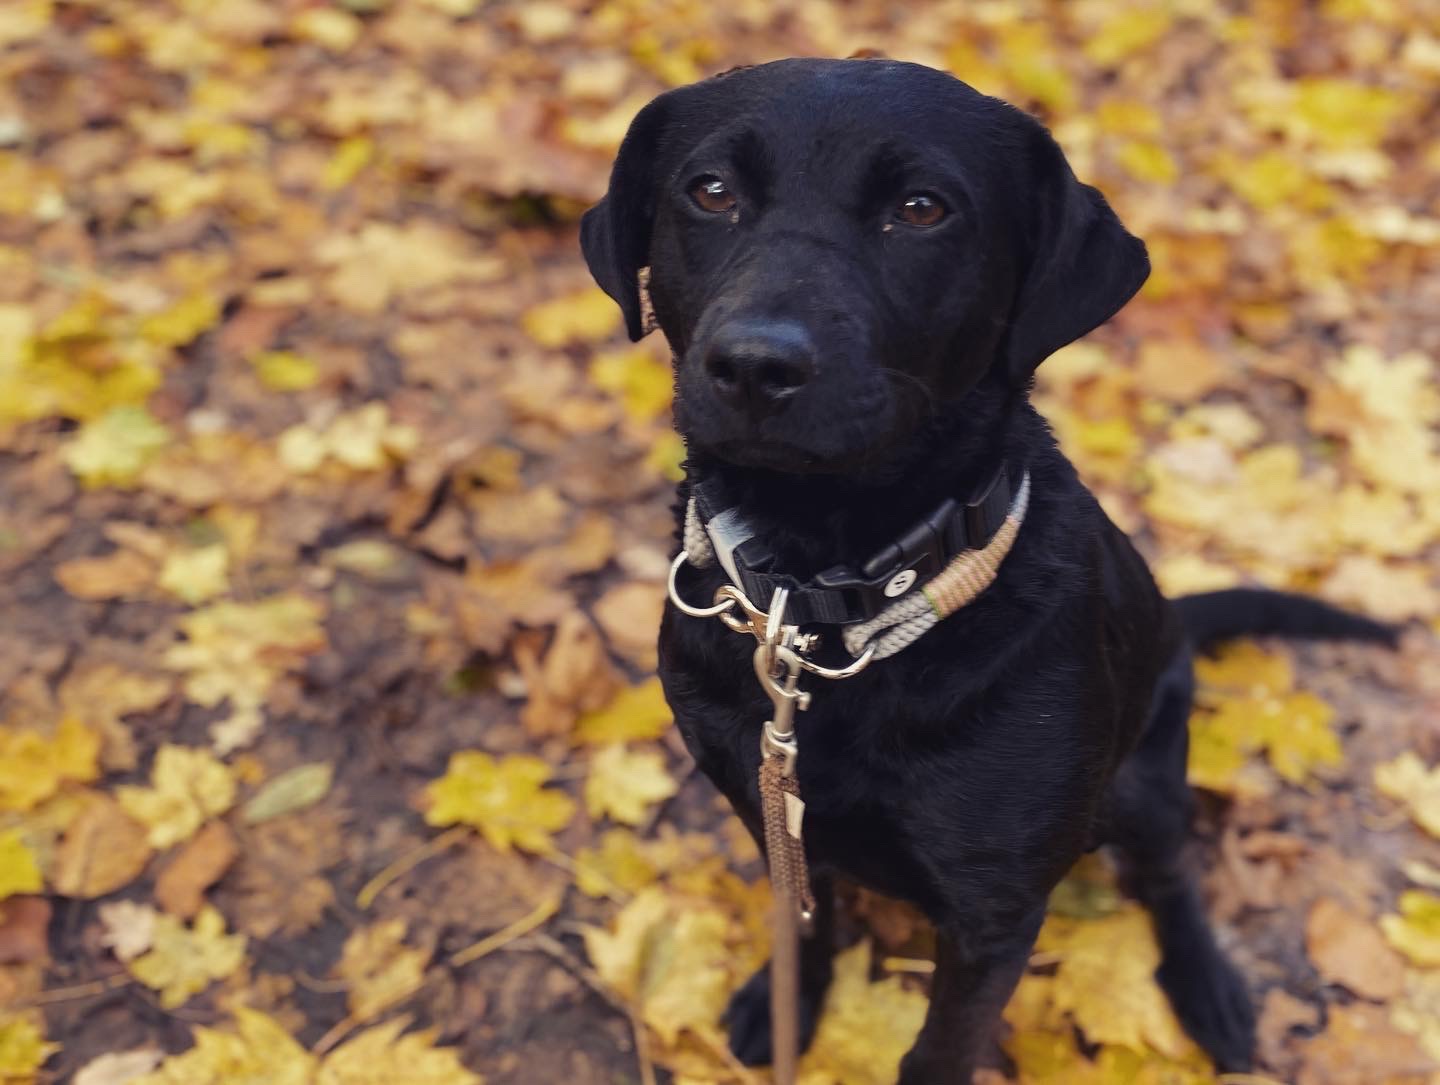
(780, 658)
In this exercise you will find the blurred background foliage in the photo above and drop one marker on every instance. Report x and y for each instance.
(336, 512)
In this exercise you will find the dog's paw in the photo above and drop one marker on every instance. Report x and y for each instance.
(748, 1018)
(1213, 1003)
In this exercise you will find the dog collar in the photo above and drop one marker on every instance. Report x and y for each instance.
(842, 594)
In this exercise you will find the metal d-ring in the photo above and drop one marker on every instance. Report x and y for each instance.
(854, 667)
(694, 612)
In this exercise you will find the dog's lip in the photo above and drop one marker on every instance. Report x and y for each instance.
(774, 455)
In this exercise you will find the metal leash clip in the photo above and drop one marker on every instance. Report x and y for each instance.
(778, 666)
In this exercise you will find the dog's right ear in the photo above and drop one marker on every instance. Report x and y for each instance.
(615, 233)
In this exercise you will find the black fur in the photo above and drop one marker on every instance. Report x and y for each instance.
(967, 773)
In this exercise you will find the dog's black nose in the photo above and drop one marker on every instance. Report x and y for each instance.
(758, 366)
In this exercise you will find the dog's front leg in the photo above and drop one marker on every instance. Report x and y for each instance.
(748, 1015)
(971, 985)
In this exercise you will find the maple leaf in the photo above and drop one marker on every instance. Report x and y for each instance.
(379, 969)
(623, 783)
(183, 961)
(1415, 932)
(32, 767)
(23, 1050)
(188, 786)
(1408, 781)
(587, 315)
(669, 957)
(504, 799)
(363, 440)
(114, 448)
(260, 1052)
(1105, 981)
(637, 712)
(622, 861)
(866, 1026)
(196, 575)
(382, 1056)
(642, 382)
(19, 871)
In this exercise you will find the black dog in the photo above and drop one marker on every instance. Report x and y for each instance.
(859, 264)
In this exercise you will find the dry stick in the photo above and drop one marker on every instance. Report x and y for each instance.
(79, 990)
(406, 863)
(507, 934)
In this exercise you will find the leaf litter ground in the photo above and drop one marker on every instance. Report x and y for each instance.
(337, 513)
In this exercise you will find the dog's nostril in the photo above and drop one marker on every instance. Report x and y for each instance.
(780, 377)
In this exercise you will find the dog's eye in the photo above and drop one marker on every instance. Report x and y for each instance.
(921, 209)
(710, 194)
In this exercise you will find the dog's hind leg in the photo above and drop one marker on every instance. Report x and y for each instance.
(1151, 808)
(748, 1015)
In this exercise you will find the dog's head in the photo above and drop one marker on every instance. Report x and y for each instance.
(841, 249)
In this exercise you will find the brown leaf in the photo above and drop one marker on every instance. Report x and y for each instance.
(1280, 1016)
(112, 576)
(1349, 950)
(575, 676)
(630, 616)
(103, 849)
(24, 930)
(1361, 1047)
(180, 888)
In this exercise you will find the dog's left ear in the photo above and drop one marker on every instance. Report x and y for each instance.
(615, 233)
(1084, 265)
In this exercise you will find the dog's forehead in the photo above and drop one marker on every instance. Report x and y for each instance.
(838, 113)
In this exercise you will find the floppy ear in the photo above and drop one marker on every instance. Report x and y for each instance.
(615, 233)
(1084, 265)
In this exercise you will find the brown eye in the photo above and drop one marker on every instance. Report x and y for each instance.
(920, 210)
(710, 194)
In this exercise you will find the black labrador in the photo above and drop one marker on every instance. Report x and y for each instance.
(859, 264)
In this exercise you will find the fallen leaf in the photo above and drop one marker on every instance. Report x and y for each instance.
(1415, 931)
(182, 961)
(379, 969)
(623, 783)
(25, 930)
(188, 786)
(381, 1056)
(113, 449)
(637, 713)
(120, 1068)
(1348, 949)
(194, 576)
(103, 849)
(23, 1049)
(112, 576)
(19, 870)
(504, 799)
(260, 1052)
(1408, 781)
(294, 789)
(587, 315)
(128, 928)
(32, 767)
(203, 861)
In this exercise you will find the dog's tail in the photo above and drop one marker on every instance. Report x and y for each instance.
(1219, 615)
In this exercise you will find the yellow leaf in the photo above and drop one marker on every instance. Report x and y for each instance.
(332, 28)
(260, 1053)
(623, 783)
(1341, 113)
(504, 799)
(113, 449)
(642, 382)
(188, 786)
(1105, 981)
(198, 574)
(866, 1027)
(285, 371)
(32, 767)
(351, 156)
(1408, 781)
(23, 1050)
(363, 439)
(381, 1056)
(237, 651)
(1126, 32)
(1148, 162)
(379, 969)
(183, 961)
(1415, 932)
(19, 872)
(587, 316)
(1243, 668)
(639, 712)
(669, 957)
(622, 862)
(183, 321)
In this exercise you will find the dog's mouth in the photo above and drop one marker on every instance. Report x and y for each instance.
(778, 456)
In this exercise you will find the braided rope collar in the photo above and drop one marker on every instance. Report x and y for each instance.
(905, 621)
